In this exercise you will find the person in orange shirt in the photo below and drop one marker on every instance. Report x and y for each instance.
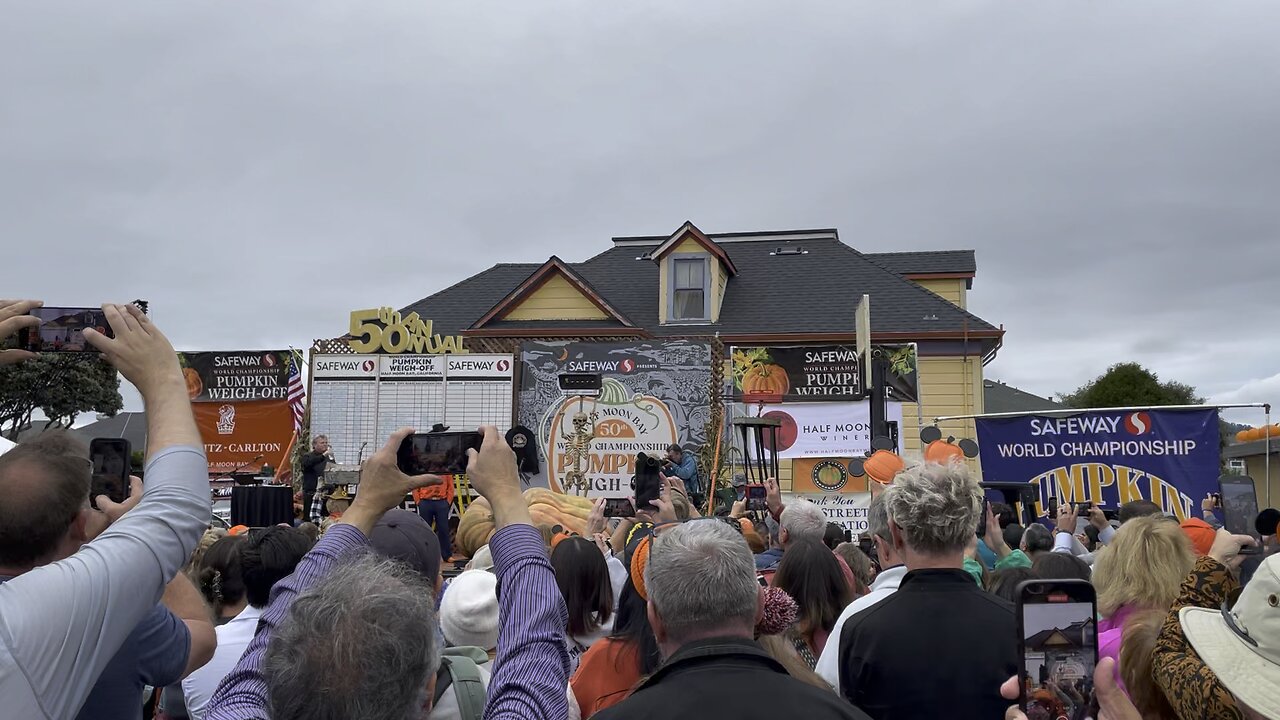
(433, 504)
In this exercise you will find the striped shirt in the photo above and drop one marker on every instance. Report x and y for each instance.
(532, 668)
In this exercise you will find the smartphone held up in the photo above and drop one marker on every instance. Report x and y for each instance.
(1058, 647)
(442, 453)
(110, 461)
(61, 330)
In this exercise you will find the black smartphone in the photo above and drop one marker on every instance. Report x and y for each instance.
(61, 329)
(1058, 647)
(618, 507)
(648, 482)
(756, 498)
(110, 459)
(982, 518)
(1052, 508)
(436, 453)
(1239, 505)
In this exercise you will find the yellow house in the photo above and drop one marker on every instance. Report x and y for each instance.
(778, 288)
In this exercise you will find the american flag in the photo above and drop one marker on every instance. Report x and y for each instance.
(296, 392)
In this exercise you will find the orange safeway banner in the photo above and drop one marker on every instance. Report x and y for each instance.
(825, 475)
(245, 435)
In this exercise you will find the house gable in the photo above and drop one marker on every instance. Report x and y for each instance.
(553, 292)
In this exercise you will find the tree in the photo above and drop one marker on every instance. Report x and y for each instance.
(61, 385)
(1130, 385)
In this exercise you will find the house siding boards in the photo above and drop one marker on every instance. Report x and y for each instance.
(556, 299)
(952, 291)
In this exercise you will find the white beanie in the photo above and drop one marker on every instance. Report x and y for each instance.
(469, 610)
(482, 560)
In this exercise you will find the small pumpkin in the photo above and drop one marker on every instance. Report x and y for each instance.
(765, 379)
(883, 466)
(1242, 436)
(942, 452)
(195, 385)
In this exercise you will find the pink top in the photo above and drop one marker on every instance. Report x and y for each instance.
(1110, 636)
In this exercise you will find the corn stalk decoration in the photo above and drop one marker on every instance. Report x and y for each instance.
(709, 458)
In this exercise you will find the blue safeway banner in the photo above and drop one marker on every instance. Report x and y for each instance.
(1170, 457)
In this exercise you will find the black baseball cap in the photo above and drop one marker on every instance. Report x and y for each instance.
(403, 535)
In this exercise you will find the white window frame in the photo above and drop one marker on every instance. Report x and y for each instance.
(1238, 464)
(671, 289)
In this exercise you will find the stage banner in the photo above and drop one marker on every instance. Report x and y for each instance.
(823, 429)
(654, 396)
(825, 475)
(817, 373)
(1111, 457)
(847, 511)
(237, 376)
(244, 435)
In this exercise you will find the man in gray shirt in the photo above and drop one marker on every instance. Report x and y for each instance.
(66, 613)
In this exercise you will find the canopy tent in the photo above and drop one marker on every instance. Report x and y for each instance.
(6, 445)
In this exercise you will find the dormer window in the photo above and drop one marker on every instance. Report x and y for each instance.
(690, 288)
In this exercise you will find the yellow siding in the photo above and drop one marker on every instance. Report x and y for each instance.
(689, 246)
(948, 386)
(953, 291)
(1256, 468)
(557, 299)
(719, 278)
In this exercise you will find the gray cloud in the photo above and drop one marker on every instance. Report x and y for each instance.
(257, 174)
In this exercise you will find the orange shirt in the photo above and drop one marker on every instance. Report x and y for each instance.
(443, 491)
(607, 673)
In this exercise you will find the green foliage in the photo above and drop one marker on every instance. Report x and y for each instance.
(1130, 385)
(61, 386)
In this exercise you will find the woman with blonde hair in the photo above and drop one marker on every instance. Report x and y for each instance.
(1142, 569)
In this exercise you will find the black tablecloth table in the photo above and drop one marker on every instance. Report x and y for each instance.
(261, 505)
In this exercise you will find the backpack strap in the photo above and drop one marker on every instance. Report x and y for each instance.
(462, 667)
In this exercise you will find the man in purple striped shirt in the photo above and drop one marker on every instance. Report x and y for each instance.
(389, 672)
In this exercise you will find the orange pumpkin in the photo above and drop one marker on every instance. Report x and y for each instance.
(195, 386)
(883, 466)
(765, 379)
(942, 452)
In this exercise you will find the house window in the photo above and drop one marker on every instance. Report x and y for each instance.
(689, 289)
(1237, 466)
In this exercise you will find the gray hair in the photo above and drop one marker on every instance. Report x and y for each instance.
(803, 520)
(1037, 538)
(701, 575)
(317, 438)
(935, 506)
(878, 519)
(367, 632)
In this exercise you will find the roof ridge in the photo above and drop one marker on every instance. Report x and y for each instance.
(465, 280)
(919, 288)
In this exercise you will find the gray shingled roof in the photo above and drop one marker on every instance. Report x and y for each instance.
(931, 261)
(814, 292)
(1000, 398)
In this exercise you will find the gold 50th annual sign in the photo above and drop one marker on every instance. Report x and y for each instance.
(385, 330)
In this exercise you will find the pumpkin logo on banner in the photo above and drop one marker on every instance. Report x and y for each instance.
(626, 424)
(829, 476)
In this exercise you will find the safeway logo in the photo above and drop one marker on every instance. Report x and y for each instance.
(367, 366)
(623, 367)
(269, 360)
(1138, 423)
(504, 365)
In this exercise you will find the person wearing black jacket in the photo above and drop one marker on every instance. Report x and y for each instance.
(940, 647)
(703, 604)
(313, 466)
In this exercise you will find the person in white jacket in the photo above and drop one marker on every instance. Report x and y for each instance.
(886, 584)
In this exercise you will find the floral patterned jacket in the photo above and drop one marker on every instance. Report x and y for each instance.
(1191, 687)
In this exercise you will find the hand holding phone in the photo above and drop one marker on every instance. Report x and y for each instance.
(110, 460)
(61, 329)
(618, 508)
(757, 498)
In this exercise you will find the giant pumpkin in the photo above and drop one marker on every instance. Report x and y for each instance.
(195, 385)
(545, 508)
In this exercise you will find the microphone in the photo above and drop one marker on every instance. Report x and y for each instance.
(251, 462)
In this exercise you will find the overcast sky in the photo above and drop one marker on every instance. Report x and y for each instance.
(257, 174)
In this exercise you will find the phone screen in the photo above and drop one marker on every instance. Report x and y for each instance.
(648, 484)
(436, 453)
(1239, 505)
(110, 462)
(1058, 632)
(756, 495)
(618, 507)
(62, 329)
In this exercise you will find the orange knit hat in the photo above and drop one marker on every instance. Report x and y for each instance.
(639, 561)
(238, 530)
(1201, 534)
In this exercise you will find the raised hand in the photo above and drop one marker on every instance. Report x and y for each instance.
(595, 519)
(1226, 548)
(773, 496)
(13, 317)
(139, 350)
(108, 512)
(493, 474)
(382, 485)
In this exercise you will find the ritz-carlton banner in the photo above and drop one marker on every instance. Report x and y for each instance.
(654, 395)
(1111, 457)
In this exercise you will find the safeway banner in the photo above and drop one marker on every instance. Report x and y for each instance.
(1110, 457)
(235, 376)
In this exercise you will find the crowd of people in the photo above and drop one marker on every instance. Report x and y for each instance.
(138, 609)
